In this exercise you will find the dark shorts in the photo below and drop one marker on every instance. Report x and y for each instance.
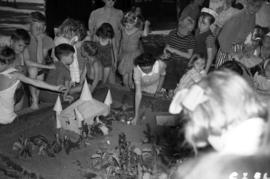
(174, 71)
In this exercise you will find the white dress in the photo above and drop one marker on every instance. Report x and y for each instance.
(7, 99)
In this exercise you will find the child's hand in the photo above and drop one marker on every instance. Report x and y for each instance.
(61, 88)
(51, 67)
(147, 23)
(68, 98)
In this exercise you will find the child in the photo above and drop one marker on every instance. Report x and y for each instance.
(194, 75)
(61, 74)
(262, 81)
(72, 32)
(9, 81)
(180, 44)
(130, 47)
(263, 51)
(38, 48)
(19, 41)
(205, 41)
(93, 67)
(105, 55)
(224, 112)
(148, 75)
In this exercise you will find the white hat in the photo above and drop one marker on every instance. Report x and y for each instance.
(210, 11)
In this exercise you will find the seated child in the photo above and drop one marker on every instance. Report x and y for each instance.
(38, 48)
(61, 74)
(148, 75)
(93, 67)
(72, 32)
(262, 81)
(10, 78)
(194, 75)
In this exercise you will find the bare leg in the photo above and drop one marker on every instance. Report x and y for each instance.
(106, 74)
(33, 91)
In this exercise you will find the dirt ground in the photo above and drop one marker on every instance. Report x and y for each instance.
(74, 165)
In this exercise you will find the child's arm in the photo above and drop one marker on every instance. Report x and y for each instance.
(34, 64)
(97, 76)
(180, 53)
(146, 28)
(38, 83)
(162, 76)
(210, 58)
(66, 95)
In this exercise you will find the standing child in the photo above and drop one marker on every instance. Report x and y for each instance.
(10, 78)
(105, 34)
(39, 46)
(194, 75)
(72, 32)
(93, 68)
(131, 46)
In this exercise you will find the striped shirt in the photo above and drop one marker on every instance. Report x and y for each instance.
(180, 43)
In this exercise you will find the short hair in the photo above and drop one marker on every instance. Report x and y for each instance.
(105, 31)
(145, 59)
(90, 48)
(21, 34)
(7, 55)
(209, 16)
(195, 58)
(71, 27)
(37, 16)
(63, 50)
(132, 18)
(225, 91)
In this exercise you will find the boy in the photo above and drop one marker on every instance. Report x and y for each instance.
(18, 41)
(38, 49)
(180, 44)
(61, 74)
(10, 78)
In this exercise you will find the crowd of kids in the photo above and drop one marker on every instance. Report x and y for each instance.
(215, 61)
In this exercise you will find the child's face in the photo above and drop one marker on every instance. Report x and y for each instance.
(68, 60)
(199, 64)
(147, 69)
(186, 26)
(103, 42)
(129, 26)
(18, 46)
(253, 7)
(203, 24)
(37, 28)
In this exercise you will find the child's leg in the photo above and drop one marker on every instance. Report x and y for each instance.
(106, 74)
(130, 81)
(33, 91)
(41, 78)
(125, 80)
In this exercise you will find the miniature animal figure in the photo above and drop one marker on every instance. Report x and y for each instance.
(69, 144)
(23, 147)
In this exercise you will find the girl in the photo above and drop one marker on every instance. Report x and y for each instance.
(205, 41)
(72, 32)
(9, 81)
(131, 46)
(194, 75)
(105, 55)
(93, 67)
(148, 75)
(224, 112)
